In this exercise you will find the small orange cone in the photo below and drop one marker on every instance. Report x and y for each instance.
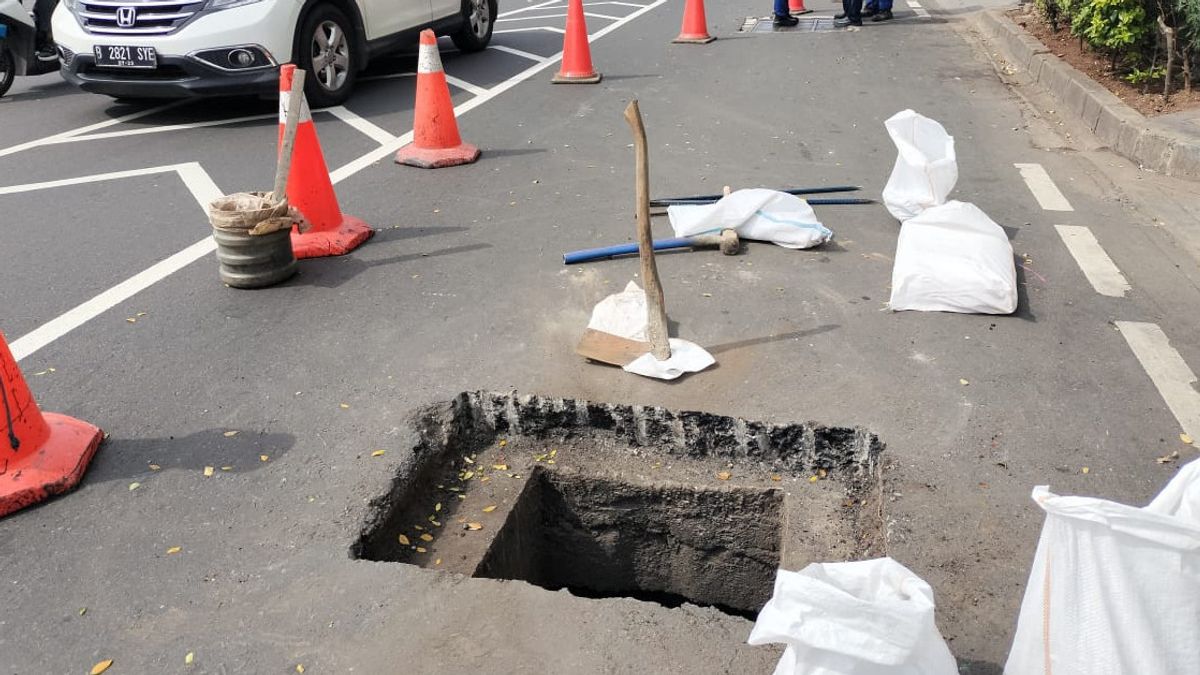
(577, 53)
(310, 191)
(436, 142)
(695, 25)
(796, 8)
(41, 454)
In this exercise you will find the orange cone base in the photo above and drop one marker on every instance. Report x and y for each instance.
(693, 39)
(798, 12)
(437, 158)
(53, 469)
(323, 243)
(576, 78)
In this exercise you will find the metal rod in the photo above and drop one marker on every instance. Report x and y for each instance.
(791, 191)
(830, 201)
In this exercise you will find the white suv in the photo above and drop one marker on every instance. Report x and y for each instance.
(179, 48)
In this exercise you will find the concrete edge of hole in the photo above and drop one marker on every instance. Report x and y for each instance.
(472, 420)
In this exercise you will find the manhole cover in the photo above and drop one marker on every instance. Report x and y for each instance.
(808, 24)
(632, 501)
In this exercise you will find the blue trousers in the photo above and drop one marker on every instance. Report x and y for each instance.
(781, 7)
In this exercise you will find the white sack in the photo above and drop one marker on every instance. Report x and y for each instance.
(953, 258)
(1114, 589)
(873, 617)
(625, 315)
(758, 214)
(926, 168)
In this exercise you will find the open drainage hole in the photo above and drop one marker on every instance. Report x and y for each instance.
(602, 537)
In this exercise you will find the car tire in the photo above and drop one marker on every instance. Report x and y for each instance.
(8, 70)
(479, 17)
(326, 46)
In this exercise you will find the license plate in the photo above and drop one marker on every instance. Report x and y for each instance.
(115, 56)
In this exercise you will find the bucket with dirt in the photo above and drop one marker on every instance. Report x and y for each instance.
(254, 239)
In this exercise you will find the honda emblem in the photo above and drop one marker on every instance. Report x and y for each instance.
(126, 17)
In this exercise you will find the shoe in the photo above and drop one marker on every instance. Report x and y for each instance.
(46, 53)
(785, 20)
(839, 16)
(885, 15)
(868, 12)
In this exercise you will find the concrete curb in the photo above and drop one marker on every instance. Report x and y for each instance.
(1120, 127)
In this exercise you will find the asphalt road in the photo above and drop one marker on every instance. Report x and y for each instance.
(463, 288)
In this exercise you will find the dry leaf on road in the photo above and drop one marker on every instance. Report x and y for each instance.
(489, 509)
(403, 540)
(474, 526)
(101, 667)
(724, 475)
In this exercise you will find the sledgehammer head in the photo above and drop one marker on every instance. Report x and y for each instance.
(730, 245)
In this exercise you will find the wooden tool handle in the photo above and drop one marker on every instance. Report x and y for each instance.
(284, 164)
(657, 313)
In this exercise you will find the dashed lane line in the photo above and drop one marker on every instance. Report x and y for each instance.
(1043, 188)
(1099, 269)
(1167, 370)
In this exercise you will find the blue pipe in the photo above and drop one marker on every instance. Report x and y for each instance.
(820, 201)
(589, 254)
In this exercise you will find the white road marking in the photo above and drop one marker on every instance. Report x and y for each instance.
(541, 17)
(372, 130)
(92, 127)
(203, 189)
(1099, 269)
(467, 86)
(918, 9)
(1043, 188)
(530, 29)
(161, 129)
(1167, 369)
(518, 52)
(530, 8)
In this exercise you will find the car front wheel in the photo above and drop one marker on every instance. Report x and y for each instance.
(476, 31)
(327, 53)
(8, 70)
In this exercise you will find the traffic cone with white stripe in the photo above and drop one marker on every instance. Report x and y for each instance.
(796, 8)
(436, 142)
(309, 189)
(577, 53)
(695, 24)
(41, 454)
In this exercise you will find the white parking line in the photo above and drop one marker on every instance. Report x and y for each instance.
(541, 17)
(518, 52)
(91, 127)
(1167, 369)
(1043, 188)
(463, 84)
(530, 8)
(1099, 269)
(203, 189)
(372, 130)
(530, 29)
(161, 129)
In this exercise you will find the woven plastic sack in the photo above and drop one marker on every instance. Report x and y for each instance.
(872, 617)
(926, 167)
(953, 258)
(1114, 589)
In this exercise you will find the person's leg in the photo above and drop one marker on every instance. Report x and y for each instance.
(883, 10)
(42, 11)
(783, 17)
(854, 12)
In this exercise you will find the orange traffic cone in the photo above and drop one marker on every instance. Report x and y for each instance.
(695, 25)
(309, 189)
(796, 8)
(577, 53)
(436, 142)
(41, 454)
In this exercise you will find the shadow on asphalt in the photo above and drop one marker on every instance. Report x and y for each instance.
(754, 342)
(126, 459)
(333, 272)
